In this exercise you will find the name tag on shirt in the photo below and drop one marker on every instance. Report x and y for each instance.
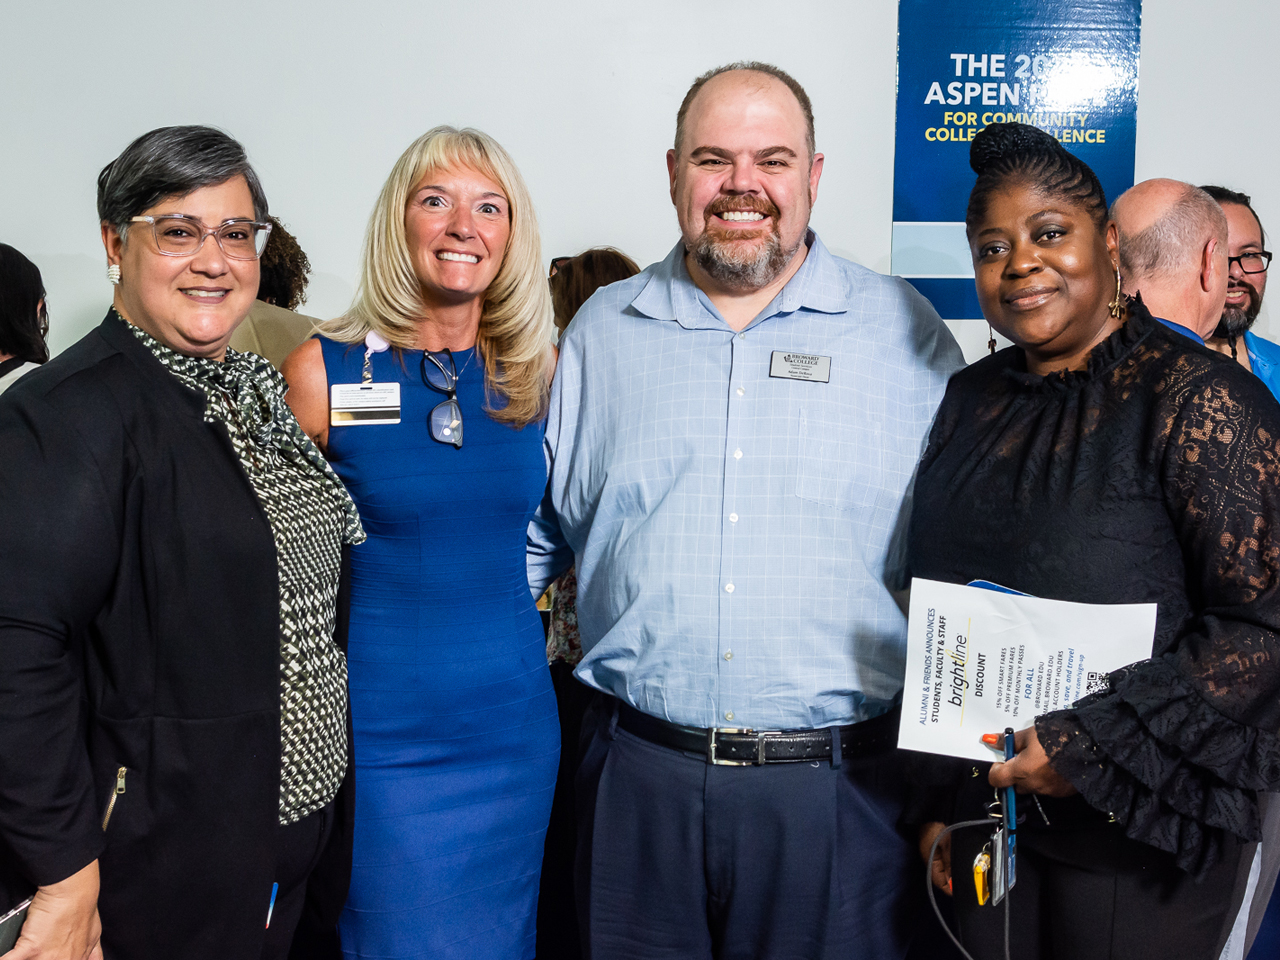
(363, 404)
(800, 366)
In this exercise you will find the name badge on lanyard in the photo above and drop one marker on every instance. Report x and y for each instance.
(800, 366)
(365, 404)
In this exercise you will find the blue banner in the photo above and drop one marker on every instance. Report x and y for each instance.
(1070, 68)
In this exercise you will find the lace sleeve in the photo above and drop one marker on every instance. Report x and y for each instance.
(1177, 746)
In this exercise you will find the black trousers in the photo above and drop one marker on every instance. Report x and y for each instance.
(1090, 893)
(681, 860)
(297, 852)
(558, 937)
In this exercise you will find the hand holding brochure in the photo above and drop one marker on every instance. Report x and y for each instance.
(979, 660)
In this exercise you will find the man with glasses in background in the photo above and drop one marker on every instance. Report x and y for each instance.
(731, 441)
(1246, 284)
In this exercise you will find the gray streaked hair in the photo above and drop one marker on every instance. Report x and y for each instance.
(1172, 244)
(172, 162)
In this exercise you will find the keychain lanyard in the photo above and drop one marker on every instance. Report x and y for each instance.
(1010, 818)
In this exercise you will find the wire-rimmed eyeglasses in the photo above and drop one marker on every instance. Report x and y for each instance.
(1256, 261)
(178, 235)
(445, 421)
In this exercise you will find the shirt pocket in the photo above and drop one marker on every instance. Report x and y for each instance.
(841, 464)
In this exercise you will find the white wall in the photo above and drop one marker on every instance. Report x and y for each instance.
(326, 95)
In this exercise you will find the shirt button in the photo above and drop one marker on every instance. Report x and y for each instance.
(742, 392)
(733, 518)
(728, 588)
(728, 654)
(737, 454)
(742, 335)
(728, 715)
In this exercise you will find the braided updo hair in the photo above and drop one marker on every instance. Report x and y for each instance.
(1016, 152)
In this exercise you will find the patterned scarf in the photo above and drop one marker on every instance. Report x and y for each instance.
(256, 390)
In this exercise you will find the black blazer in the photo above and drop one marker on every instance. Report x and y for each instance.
(139, 631)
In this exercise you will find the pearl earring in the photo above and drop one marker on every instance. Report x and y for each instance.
(113, 273)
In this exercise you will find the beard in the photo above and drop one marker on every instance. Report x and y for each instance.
(1236, 320)
(739, 258)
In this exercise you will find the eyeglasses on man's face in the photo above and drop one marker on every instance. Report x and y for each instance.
(445, 421)
(1256, 261)
(181, 236)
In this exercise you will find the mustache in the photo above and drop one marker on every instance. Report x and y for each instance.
(1236, 320)
(746, 202)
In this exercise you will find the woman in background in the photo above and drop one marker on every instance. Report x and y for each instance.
(1104, 459)
(24, 317)
(573, 281)
(273, 328)
(455, 718)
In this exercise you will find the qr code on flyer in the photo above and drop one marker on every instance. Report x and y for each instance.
(1096, 682)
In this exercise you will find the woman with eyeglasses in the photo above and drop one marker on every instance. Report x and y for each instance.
(428, 398)
(173, 708)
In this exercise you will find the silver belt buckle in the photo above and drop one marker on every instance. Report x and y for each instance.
(760, 736)
(711, 747)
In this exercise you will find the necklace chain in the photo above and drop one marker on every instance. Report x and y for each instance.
(458, 376)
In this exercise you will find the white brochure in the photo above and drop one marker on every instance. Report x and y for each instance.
(980, 660)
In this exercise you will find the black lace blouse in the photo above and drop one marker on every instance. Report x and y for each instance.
(1153, 475)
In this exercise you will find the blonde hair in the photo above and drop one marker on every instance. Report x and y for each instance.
(516, 318)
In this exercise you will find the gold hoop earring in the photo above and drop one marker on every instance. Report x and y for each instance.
(1117, 304)
(991, 343)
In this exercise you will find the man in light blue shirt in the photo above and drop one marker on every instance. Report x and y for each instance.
(731, 441)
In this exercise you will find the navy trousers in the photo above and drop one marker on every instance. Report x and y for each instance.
(681, 859)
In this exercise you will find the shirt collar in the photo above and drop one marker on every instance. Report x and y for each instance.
(671, 294)
(1257, 357)
(1185, 331)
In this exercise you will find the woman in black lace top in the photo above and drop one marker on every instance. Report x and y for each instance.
(1104, 459)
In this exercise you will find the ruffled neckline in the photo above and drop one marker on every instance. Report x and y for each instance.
(1103, 358)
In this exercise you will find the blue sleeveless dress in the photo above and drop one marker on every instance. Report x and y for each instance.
(456, 731)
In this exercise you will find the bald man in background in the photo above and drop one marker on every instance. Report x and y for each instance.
(1173, 252)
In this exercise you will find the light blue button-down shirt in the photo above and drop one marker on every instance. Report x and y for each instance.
(737, 534)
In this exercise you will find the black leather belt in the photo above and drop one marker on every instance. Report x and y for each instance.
(740, 747)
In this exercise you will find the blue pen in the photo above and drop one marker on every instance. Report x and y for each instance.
(275, 888)
(1010, 813)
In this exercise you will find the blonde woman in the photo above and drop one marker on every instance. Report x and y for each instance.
(428, 399)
